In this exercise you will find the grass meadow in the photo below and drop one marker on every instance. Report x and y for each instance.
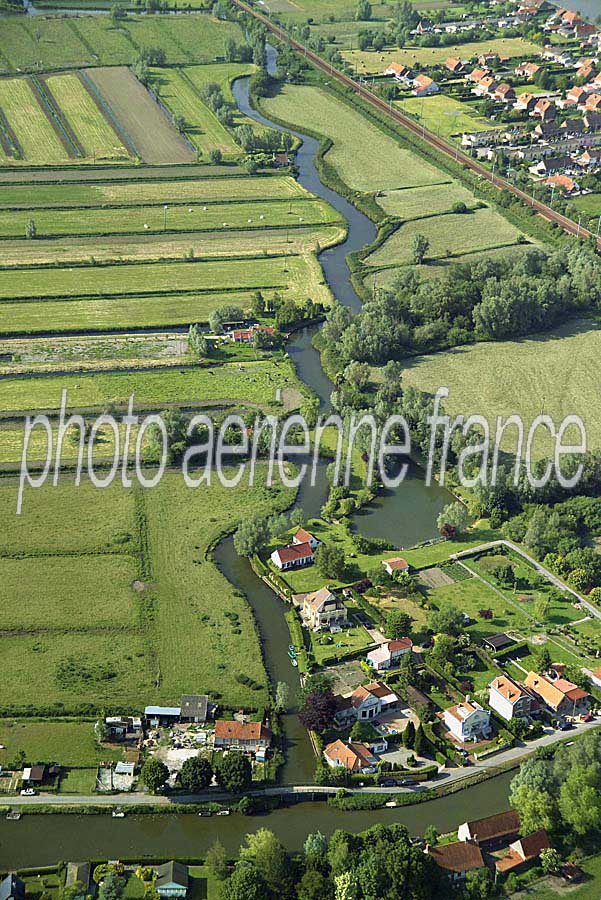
(36, 137)
(556, 372)
(70, 743)
(419, 202)
(443, 115)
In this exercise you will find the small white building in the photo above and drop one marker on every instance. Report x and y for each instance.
(366, 703)
(395, 564)
(467, 721)
(510, 700)
(387, 656)
(301, 536)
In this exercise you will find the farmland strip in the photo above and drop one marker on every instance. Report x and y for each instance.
(8, 138)
(63, 130)
(107, 112)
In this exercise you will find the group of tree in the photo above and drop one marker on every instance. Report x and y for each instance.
(233, 773)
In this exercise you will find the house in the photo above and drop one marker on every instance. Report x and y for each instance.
(525, 102)
(353, 756)
(572, 127)
(523, 851)
(560, 57)
(249, 736)
(301, 536)
(162, 715)
(453, 64)
(476, 75)
(294, 556)
(395, 564)
(596, 677)
(548, 131)
(12, 888)
(485, 87)
(400, 72)
(585, 72)
(593, 103)
(488, 59)
(246, 335)
(123, 728)
(592, 121)
(322, 609)
(387, 656)
(497, 642)
(564, 183)
(577, 96)
(492, 831)
(366, 703)
(553, 164)
(467, 721)
(560, 696)
(423, 85)
(78, 873)
(527, 70)
(457, 859)
(34, 774)
(511, 700)
(544, 110)
(172, 880)
(590, 159)
(194, 708)
(504, 93)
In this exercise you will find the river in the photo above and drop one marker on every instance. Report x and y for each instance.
(405, 516)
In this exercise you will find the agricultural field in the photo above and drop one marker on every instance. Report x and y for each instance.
(36, 140)
(73, 743)
(365, 158)
(12, 439)
(94, 133)
(442, 115)
(555, 371)
(449, 235)
(370, 62)
(139, 117)
(53, 43)
(421, 202)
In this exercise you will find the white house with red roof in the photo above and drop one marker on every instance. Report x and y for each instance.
(366, 703)
(353, 756)
(301, 536)
(294, 556)
(387, 656)
(467, 721)
(423, 85)
(395, 564)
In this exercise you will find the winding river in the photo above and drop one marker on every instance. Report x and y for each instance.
(405, 516)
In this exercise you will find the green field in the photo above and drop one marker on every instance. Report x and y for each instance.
(449, 235)
(365, 158)
(556, 371)
(92, 130)
(36, 137)
(419, 202)
(69, 743)
(368, 62)
(443, 115)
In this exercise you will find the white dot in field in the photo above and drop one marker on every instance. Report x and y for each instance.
(261, 217)
(225, 224)
(204, 209)
(145, 226)
(249, 221)
(190, 210)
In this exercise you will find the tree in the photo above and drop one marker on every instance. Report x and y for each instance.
(330, 562)
(154, 774)
(215, 157)
(431, 835)
(216, 861)
(419, 248)
(398, 624)
(31, 231)
(536, 808)
(267, 853)
(448, 619)
(298, 517)
(180, 123)
(580, 800)
(543, 659)
(234, 773)
(228, 313)
(196, 774)
(408, 736)
(245, 883)
(459, 207)
(251, 535)
(364, 11)
(454, 514)
(317, 713)
(316, 847)
(282, 696)
(315, 886)
(479, 885)
(419, 744)
(550, 860)
(346, 886)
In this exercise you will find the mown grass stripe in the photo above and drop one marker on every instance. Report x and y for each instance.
(61, 127)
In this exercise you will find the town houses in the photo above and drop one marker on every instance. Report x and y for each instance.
(511, 700)
(559, 695)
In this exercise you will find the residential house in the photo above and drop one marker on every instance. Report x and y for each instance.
(252, 737)
(12, 888)
(453, 64)
(504, 93)
(366, 703)
(552, 165)
(400, 72)
(246, 335)
(481, 138)
(194, 708)
(523, 851)
(467, 721)
(162, 715)
(592, 121)
(387, 656)
(544, 110)
(301, 536)
(548, 131)
(423, 85)
(476, 75)
(572, 127)
(585, 72)
(492, 831)
(294, 556)
(457, 859)
(564, 183)
(560, 57)
(124, 728)
(323, 609)
(172, 880)
(593, 103)
(527, 70)
(596, 677)
(591, 158)
(560, 696)
(395, 564)
(511, 700)
(485, 87)
(36, 775)
(78, 873)
(355, 757)
(584, 30)
(525, 102)
(488, 59)
(576, 96)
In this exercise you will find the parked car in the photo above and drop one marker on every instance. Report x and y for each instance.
(566, 726)
(28, 792)
(589, 717)
(390, 782)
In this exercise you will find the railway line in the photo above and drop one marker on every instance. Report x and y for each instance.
(422, 133)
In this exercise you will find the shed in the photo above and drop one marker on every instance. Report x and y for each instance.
(195, 707)
(172, 880)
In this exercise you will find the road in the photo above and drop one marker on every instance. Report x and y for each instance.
(446, 777)
(419, 131)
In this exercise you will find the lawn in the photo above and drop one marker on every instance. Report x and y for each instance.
(368, 62)
(443, 115)
(223, 74)
(35, 135)
(417, 202)
(253, 384)
(204, 885)
(556, 371)
(97, 137)
(365, 157)
(589, 204)
(590, 890)
(472, 595)
(326, 646)
(69, 743)
(449, 235)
